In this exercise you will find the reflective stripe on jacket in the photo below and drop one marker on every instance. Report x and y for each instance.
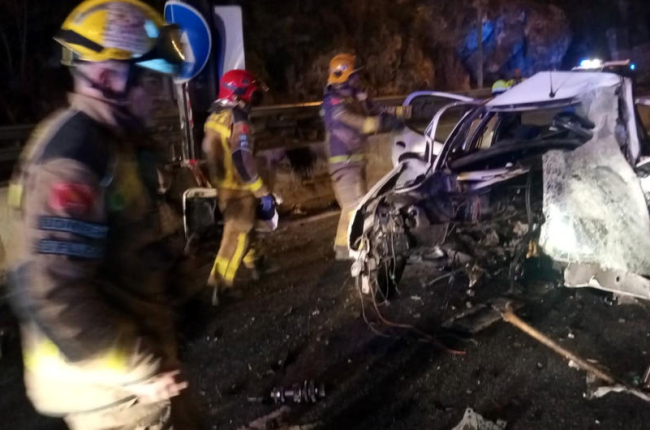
(87, 268)
(228, 145)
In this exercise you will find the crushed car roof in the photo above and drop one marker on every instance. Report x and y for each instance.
(538, 92)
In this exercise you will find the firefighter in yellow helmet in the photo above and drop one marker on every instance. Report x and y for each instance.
(90, 259)
(350, 117)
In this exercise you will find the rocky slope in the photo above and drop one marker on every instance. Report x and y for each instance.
(404, 44)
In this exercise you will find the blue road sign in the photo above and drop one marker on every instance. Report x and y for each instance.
(195, 36)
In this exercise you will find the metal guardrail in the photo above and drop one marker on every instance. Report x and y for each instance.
(292, 109)
(280, 125)
(15, 132)
(303, 108)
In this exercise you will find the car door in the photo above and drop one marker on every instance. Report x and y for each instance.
(411, 142)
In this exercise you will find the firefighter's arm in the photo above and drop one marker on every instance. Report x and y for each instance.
(365, 124)
(244, 160)
(65, 296)
(401, 112)
(369, 104)
(362, 123)
(373, 108)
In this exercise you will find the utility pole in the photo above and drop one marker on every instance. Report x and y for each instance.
(479, 52)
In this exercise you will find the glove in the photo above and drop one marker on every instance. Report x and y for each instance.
(268, 203)
(266, 208)
(404, 112)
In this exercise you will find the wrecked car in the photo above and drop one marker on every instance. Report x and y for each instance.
(555, 168)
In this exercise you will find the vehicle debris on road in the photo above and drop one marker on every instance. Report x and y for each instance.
(272, 420)
(473, 421)
(306, 392)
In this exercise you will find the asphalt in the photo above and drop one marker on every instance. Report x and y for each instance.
(305, 322)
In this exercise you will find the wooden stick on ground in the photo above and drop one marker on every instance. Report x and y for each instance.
(617, 385)
(513, 319)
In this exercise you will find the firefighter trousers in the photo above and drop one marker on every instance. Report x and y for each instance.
(349, 182)
(239, 210)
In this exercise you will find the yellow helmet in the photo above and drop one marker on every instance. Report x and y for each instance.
(126, 30)
(342, 66)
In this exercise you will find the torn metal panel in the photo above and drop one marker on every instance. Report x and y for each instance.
(551, 88)
(601, 106)
(414, 170)
(594, 206)
(484, 178)
(634, 146)
(603, 391)
(616, 281)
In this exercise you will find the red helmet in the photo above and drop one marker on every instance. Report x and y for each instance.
(240, 85)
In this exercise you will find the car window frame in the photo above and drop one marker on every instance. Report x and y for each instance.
(452, 97)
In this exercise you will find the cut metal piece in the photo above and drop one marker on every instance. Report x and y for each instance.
(485, 178)
(473, 421)
(580, 275)
(307, 392)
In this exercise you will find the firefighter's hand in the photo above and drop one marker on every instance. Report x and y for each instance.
(362, 96)
(161, 387)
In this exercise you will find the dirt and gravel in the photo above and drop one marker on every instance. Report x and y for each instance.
(305, 322)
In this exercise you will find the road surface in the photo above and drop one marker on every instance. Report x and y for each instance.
(305, 322)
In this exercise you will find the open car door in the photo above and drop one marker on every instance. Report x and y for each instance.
(410, 142)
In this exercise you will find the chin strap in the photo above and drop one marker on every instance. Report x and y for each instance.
(221, 104)
(345, 89)
(118, 97)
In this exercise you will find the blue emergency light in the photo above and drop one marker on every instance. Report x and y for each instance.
(589, 63)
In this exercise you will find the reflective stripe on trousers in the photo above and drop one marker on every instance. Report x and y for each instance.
(352, 158)
(238, 209)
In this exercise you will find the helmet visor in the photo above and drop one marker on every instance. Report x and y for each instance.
(168, 54)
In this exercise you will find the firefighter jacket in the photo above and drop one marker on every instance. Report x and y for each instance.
(349, 119)
(228, 145)
(89, 262)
